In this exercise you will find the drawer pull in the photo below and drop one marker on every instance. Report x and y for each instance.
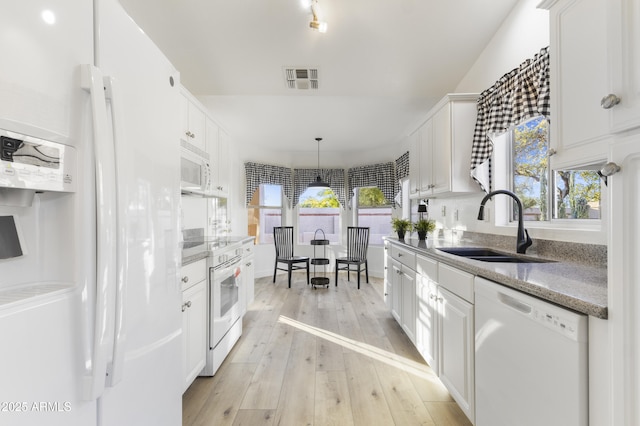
(609, 101)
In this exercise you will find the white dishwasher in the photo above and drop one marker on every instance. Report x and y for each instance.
(531, 360)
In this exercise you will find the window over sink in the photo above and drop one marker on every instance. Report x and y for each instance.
(522, 165)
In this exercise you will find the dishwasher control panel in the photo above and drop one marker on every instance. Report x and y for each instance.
(558, 322)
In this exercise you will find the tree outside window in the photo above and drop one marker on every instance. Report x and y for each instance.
(575, 193)
(530, 169)
(318, 208)
(374, 212)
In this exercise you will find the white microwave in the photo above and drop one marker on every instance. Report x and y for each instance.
(195, 173)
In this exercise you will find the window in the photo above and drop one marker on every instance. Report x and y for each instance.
(571, 194)
(264, 212)
(319, 208)
(530, 169)
(373, 211)
(577, 194)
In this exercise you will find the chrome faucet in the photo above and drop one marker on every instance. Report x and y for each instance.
(523, 240)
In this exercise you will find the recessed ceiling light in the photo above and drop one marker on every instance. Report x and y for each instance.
(48, 17)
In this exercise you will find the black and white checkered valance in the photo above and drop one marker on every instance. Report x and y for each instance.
(381, 175)
(520, 94)
(402, 166)
(256, 174)
(402, 172)
(334, 177)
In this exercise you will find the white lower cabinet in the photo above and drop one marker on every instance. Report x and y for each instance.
(396, 295)
(437, 301)
(456, 349)
(248, 273)
(408, 290)
(403, 297)
(427, 321)
(194, 320)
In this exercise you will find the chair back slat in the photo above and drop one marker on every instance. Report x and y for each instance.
(283, 239)
(357, 242)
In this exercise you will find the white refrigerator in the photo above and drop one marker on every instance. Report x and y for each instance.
(90, 317)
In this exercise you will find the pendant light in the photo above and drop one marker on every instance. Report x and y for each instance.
(318, 183)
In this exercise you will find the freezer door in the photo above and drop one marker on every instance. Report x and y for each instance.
(42, 361)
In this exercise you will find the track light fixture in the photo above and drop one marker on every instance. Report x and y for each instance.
(316, 24)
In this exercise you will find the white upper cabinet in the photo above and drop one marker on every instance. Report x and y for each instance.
(218, 149)
(578, 62)
(440, 154)
(595, 76)
(224, 170)
(201, 131)
(623, 30)
(193, 122)
(415, 146)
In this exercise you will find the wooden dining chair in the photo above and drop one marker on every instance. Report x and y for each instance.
(357, 244)
(283, 239)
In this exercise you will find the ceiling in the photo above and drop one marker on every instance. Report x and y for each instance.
(382, 64)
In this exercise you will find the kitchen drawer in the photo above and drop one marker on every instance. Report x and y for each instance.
(193, 273)
(247, 249)
(404, 256)
(427, 267)
(456, 281)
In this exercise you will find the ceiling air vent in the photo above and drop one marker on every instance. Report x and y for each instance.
(301, 78)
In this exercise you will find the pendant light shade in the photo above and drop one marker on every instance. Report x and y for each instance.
(318, 183)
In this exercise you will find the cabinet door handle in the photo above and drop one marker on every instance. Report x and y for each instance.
(184, 307)
(609, 169)
(189, 304)
(609, 101)
(185, 279)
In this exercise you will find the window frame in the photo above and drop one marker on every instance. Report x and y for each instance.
(502, 176)
(260, 208)
(299, 239)
(356, 211)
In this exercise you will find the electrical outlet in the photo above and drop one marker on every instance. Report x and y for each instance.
(444, 211)
(455, 215)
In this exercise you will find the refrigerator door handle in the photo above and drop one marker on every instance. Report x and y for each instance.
(103, 322)
(115, 368)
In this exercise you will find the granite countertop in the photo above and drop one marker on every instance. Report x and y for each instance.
(579, 287)
(201, 248)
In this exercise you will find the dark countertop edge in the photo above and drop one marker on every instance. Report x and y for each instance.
(233, 242)
(568, 301)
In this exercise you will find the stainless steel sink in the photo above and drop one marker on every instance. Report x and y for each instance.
(489, 255)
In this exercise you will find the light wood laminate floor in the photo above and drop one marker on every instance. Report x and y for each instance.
(319, 357)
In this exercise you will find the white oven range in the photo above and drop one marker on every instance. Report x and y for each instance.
(225, 292)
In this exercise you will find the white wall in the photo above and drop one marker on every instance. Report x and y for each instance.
(522, 35)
